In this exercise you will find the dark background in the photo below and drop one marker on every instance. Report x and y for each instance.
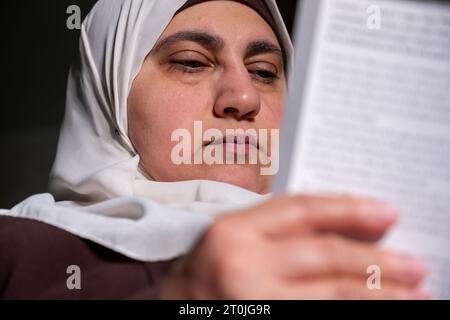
(37, 50)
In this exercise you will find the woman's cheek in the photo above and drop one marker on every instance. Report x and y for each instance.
(271, 114)
(186, 105)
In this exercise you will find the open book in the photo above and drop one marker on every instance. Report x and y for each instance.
(369, 114)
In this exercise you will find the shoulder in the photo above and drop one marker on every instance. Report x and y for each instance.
(21, 233)
(26, 242)
(37, 261)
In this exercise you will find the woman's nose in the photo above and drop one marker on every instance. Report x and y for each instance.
(237, 96)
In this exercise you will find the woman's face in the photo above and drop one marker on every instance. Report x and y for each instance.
(217, 62)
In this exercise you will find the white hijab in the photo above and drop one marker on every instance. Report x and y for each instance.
(97, 190)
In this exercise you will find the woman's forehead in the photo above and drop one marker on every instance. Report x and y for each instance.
(230, 21)
(259, 6)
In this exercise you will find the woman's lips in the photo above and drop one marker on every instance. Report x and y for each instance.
(239, 149)
(239, 145)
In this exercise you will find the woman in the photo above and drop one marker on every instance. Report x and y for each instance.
(146, 69)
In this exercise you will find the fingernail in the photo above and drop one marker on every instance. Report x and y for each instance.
(389, 210)
(414, 268)
(417, 267)
(385, 212)
(421, 295)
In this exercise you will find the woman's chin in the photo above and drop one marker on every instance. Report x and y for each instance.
(244, 176)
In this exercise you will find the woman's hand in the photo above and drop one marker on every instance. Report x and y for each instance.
(297, 247)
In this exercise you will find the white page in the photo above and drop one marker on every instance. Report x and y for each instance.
(370, 113)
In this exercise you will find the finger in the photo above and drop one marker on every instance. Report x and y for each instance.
(362, 218)
(348, 289)
(335, 255)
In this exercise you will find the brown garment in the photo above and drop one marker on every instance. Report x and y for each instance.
(34, 258)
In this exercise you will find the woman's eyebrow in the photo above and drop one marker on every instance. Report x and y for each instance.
(216, 43)
(207, 40)
(261, 47)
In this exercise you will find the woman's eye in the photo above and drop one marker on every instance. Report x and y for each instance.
(189, 65)
(264, 75)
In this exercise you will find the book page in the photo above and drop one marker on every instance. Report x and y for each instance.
(375, 118)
